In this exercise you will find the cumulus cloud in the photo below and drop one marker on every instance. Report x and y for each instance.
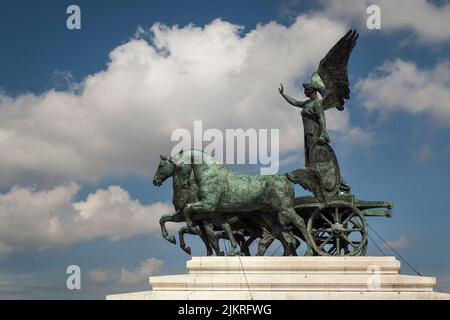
(401, 243)
(141, 273)
(126, 277)
(427, 20)
(100, 276)
(41, 219)
(119, 120)
(401, 85)
(358, 136)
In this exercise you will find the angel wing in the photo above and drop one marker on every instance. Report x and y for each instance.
(333, 71)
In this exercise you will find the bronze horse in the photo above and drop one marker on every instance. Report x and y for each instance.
(223, 193)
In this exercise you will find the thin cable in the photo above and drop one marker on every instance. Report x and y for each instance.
(393, 250)
(279, 246)
(242, 266)
(245, 276)
(376, 245)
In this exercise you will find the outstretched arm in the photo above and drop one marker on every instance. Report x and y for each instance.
(290, 100)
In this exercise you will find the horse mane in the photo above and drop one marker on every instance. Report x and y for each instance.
(194, 156)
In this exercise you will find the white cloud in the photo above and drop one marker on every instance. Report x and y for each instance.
(141, 273)
(126, 277)
(428, 21)
(401, 243)
(357, 136)
(401, 85)
(100, 276)
(41, 219)
(122, 118)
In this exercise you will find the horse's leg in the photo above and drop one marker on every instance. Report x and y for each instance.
(290, 215)
(171, 217)
(207, 205)
(268, 238)
(208, 231)
(265, 242)
(205, 240)
(195, 231)
(245, 245)
(183, 230)
(292, 241)
(249, 242)
(286, 243)
(242, 244)
(187, 215)
(226, 227)
(292, 249)
(296, 245)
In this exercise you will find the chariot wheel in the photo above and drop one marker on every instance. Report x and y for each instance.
(337, 229)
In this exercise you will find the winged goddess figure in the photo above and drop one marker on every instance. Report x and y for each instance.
(331, 82)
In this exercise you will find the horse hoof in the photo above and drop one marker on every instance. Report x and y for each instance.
(171, 239)
(187, 250)
(232, 253)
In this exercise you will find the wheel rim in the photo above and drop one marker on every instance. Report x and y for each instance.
(337, 229)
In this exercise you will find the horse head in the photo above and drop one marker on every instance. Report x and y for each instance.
(169, 167)
(165, 170)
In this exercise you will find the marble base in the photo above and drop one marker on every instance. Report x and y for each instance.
(289, 278)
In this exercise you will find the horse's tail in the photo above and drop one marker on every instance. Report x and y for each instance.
(310, 180)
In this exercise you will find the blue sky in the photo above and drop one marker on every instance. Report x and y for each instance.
(86, 113)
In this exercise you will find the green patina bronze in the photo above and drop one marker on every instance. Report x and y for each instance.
(216, 203)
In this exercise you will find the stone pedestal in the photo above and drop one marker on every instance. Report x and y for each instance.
(289, 278)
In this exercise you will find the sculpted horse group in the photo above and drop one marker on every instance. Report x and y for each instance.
(216, 202)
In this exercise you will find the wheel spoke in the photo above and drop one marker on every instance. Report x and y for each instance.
(356, 223)
(331, 250)
(338, 245)
(323, 230)
(325, 242)
(322, 238)
(348, 218)
(349, 241)
(346, 251)
(325, 218)
(336, 215)
(321, 234)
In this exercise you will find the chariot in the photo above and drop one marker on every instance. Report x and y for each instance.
(339, 227)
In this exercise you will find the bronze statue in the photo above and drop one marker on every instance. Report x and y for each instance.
(331, 82)
(216, 202)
